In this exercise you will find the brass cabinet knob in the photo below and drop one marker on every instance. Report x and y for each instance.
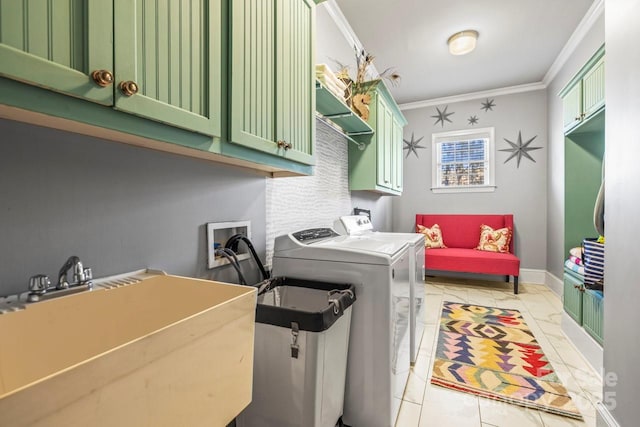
(102, 77)
(283, 144)
(578, 117)
(129, 87)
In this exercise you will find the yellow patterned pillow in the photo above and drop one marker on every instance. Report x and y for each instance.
(494, 240)
(432, 236)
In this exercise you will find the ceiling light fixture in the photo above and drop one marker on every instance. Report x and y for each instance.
(462, 42)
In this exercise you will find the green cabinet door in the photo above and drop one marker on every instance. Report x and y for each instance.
(397, 156)
(252, 74)
(384, 132)
(295, 78)
(572, 296)
(572, 107)
(272, 77)
(593, 89)
(57, 44)
(172, 52)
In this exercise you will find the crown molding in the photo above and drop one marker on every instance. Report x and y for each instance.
(595, 11)
(345, 28)
(473, 95)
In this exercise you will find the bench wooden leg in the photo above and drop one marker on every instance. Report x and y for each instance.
(515, 285)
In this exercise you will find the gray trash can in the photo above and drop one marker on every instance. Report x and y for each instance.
(300, 357)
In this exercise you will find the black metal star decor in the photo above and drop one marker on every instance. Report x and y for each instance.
(473, 120)
(488, 105)
(412, 145)
(520, 149)
(442, 116)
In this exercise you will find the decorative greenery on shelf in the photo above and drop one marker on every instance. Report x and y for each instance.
(358, 93)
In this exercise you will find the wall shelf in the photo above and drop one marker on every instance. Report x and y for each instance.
(335, 110)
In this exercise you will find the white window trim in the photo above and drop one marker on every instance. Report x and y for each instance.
(467, 133)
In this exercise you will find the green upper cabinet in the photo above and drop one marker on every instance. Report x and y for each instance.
(167, 54)
(583, 97)
(377, 164)
(58, 44)
(168, 57)
(272, 77)
(572, 107)
(228, 81)
(593, 89)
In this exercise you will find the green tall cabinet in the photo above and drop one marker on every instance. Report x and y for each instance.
(376, 165)
(584, 123)
(157, 59)
(271, 73)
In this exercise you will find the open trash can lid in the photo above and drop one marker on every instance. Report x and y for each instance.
(313, 305)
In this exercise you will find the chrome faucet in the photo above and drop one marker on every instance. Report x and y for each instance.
(39, 285)
(81, 275)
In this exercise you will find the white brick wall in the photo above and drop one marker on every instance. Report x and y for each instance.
(297, 203)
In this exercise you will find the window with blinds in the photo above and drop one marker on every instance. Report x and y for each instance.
(463, 161)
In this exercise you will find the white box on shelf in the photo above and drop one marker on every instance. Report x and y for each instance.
(218, 233)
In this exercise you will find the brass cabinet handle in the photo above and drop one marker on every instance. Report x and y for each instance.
(102, 77)
(578, 117)
(129, 88)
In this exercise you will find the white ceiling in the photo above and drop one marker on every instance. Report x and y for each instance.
(519, 41)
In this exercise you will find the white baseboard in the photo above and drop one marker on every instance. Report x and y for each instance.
(590, 350)
(604, 417)
(532, 276)
(555, 284)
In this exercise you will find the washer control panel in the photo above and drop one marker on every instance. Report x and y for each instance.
(312, 234)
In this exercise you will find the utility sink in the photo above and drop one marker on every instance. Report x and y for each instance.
(166, 351)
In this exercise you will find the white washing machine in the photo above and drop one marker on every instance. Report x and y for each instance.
(379, 343)
(360, 225)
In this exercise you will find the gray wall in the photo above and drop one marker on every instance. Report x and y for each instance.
(521, 191)
(555, 184)
(119, 208)
(622, 317)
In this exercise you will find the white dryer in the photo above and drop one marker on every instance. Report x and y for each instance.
(379, 343)
(360, 225)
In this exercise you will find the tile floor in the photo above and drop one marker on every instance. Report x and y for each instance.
(428, 405)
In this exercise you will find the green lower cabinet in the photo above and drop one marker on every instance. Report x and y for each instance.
(593, 314)
(376, 165)
(572, 301)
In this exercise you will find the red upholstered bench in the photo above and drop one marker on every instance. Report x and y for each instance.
(461, 234)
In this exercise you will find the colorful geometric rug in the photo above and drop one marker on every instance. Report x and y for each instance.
(492, 353)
